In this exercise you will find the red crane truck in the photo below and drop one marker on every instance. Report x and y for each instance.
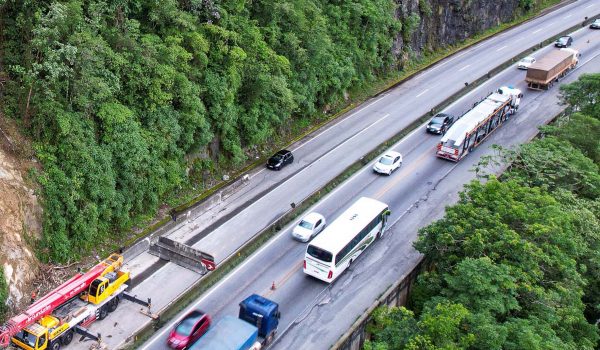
(52, 321)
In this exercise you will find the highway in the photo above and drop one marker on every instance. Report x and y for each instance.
(315, 314)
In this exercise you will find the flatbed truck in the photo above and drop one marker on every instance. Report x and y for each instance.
(541, 75)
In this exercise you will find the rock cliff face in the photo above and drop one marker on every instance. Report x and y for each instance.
(432, 24)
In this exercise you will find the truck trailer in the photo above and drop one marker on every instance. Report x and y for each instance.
(254, 329)
(478, 123)
(542, 74)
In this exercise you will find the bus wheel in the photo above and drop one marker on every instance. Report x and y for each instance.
(66, 339)
(112, 305)
(55, 345)
(103, 313)
(349, 263)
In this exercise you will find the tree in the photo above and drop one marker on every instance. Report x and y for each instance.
(524, 253)
(583, 95)
(440, 327)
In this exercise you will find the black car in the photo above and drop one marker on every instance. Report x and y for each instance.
(280, 159)
(440, 123)
(563, 41)
(595, 24)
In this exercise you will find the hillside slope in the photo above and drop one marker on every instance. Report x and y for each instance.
(129, 102)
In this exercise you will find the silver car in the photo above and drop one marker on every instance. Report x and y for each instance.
(525, 62)
(310, 226)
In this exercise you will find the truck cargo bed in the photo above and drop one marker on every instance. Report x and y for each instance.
(229, 334)
(549, 67)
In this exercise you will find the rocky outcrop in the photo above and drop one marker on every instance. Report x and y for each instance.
(20, 220)
(432, 24)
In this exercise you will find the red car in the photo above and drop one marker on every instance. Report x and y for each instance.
(188, 330)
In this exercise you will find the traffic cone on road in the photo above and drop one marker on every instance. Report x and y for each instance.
(273, 286)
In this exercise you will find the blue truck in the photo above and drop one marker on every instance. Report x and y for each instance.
(254, 329)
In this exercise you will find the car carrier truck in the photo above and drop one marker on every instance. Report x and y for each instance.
(254, 329)
(478, 123)
(53, 320)
(542, 74)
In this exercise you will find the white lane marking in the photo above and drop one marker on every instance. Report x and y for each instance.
(587, 7)
(424, 91)
(502, 48)
(447, 61)
(568, 16)
(337, 124)
(328, 128)
(258, 172)
(158, 336)
(465, 67)
(535, 31)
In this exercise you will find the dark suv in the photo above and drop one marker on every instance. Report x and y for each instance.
(440, 123)
(280, 159)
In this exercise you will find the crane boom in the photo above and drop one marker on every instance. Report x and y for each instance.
(65, 292)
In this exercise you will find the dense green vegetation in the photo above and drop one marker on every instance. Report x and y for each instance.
(3, 295)
(516, 263)
(120, 96)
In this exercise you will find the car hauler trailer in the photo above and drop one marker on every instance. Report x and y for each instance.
(478, 123)
(542, 74)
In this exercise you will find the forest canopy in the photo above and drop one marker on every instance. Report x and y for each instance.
(116, 95)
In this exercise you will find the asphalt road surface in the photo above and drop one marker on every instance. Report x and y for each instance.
(315, 314)
(312, 312)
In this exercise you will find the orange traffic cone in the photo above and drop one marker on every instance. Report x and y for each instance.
(273, 286)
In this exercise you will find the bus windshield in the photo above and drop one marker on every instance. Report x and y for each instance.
(319, 253)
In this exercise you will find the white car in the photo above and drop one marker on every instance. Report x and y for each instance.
(389, 162)
(310, 226)
(525, 62)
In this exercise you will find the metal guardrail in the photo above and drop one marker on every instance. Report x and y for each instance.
(183, 255)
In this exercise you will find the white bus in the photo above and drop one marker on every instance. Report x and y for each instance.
(331, 252)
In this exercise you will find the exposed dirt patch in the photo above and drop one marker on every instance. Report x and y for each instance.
(21, 224)
(20, 214)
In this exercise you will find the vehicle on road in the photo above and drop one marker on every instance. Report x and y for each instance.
(564, 41)
(526, 62)
(330, 253)
(280, 159)
(310, 226)
(188, 330)
(254, 329)
(550, 68)
(388, 162)
(440, 123)
(595, 24)
(52, 321)
(478, 123)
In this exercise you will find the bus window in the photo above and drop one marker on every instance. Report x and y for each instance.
(319, 254)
